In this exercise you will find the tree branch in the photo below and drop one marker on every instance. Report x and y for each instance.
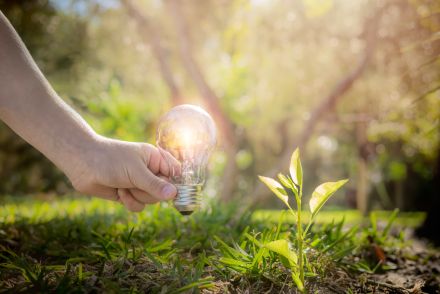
(229, 180)
(327, 104)
(195, 72)
(149, 36)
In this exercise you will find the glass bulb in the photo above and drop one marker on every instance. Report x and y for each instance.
(186, 136)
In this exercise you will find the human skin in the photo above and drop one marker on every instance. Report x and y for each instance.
(132, 173)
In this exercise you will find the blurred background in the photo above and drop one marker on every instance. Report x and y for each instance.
(354, 84)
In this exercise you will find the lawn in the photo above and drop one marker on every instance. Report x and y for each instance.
(87, 245)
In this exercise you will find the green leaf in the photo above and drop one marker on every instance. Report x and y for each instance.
(199, 284)
(297, 280)
(296, 168)
(276, 188)
(282, 248)
(233, 262)
(391, 219)
(228, 250)
(252, 238)
(322, 193)
(284, 181)
(287, 183)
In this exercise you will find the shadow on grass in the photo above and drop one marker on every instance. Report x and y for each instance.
(90, 245)
(81, 245)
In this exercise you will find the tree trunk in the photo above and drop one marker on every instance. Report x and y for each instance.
(399, 195)
(431, 225)
(362, 187)
(211, 99)
(327, 104)
(150, 37)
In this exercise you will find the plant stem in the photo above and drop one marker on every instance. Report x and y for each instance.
(308, 227)
(300, 242)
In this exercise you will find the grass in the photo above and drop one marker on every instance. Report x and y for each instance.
(351, 217)
(87, 245)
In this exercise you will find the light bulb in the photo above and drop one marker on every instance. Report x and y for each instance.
(186, 136)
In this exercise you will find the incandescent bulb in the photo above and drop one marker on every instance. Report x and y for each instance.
(186, 136)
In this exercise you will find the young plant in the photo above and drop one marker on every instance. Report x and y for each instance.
(293, 186)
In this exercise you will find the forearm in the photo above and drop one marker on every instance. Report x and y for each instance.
(112, 169)
(32, 109)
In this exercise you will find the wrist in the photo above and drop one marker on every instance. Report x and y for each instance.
(81, 154)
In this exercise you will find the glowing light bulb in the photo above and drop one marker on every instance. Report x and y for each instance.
(186, 136)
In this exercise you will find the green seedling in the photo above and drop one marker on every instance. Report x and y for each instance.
(292, 187)
(378, 236)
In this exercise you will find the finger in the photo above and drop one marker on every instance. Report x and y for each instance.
(165, 178)
(154, 159)
(103, 192)
(164, 168)
(129, 201)
(146, 181)
(170, 166)
(143, 197)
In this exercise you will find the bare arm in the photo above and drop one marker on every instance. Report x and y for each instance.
(95, 165)
(32, 109)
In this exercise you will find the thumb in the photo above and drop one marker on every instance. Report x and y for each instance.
(155, 186)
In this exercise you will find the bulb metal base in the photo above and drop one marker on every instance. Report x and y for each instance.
(188, 198)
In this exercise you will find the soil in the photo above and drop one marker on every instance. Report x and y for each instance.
(413, 269)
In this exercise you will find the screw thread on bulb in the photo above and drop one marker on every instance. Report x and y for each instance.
(188, 198)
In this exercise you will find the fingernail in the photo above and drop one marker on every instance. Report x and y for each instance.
(169, 191)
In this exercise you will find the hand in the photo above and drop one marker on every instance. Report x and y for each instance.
(131, 173)
(127, 172)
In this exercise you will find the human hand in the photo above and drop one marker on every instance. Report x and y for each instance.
(131, 173)
(122, 171)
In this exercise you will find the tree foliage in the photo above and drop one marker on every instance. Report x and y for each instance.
(271, 63)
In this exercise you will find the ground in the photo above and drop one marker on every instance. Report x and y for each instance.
(68, 244)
